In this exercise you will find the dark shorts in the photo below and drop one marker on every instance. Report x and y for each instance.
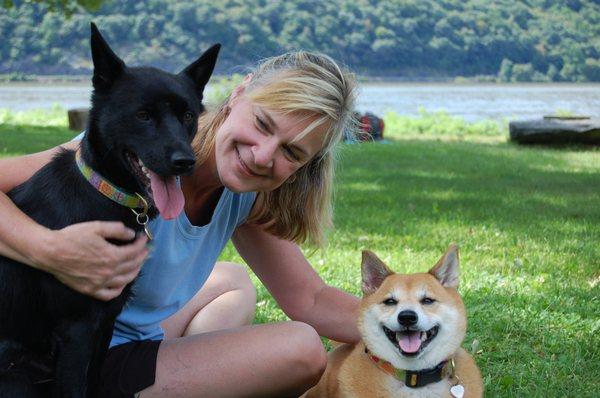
(128, 368)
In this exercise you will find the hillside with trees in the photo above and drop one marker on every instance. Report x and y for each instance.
(529, 40)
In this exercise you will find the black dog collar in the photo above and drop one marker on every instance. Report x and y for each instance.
(412, 378)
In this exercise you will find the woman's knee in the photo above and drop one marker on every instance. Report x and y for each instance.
(308, 354)
(228, 285)
(234, 277)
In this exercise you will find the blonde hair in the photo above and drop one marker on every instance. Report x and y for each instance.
(309, 85)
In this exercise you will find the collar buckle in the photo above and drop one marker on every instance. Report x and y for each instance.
(142, 217)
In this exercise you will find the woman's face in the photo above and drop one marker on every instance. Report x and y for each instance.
(254, 149)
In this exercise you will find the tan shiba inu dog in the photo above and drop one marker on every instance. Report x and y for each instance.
(412, 327)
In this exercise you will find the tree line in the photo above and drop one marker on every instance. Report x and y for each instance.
(529, 40)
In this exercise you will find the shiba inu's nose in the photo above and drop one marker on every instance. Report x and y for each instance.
(407, 318)
(182, 162)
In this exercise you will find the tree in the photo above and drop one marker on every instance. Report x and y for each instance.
(522, 72)
(507, 41)
(68, 7)
(591, 69)
(505, 72)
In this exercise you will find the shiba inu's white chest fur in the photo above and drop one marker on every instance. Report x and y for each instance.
(395, 388)
(359, 377)
(438, 390)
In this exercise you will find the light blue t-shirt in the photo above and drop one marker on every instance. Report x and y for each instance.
(182, 258)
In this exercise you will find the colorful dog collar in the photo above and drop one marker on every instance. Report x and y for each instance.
(106, 188)
(415, 379)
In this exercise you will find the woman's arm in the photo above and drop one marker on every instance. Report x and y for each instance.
(16, 170)
(296, 286)
(78, 255)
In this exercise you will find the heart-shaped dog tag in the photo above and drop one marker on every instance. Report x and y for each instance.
(457, 391)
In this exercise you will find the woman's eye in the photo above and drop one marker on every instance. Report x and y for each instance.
(427, 301)
(390, 301)
(291, 153)
(188, 116)
(143, 116)
(261, 124)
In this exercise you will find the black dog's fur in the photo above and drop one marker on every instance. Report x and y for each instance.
(47, 330)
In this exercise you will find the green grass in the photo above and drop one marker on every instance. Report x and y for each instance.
(439, 124)
(528, 224)
(32, 131)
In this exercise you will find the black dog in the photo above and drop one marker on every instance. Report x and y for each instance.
(53, 339)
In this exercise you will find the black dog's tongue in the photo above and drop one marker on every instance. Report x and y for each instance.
(167, 195)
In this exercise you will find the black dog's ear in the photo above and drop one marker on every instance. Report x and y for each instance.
(201, 69)
(107, 66)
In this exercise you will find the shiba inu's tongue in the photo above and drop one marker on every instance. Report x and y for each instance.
(410, 342)
(167, 195)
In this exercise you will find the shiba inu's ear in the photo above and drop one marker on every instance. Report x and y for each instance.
(107, 66)
(201, 69)
(447, 268)
(374, 271)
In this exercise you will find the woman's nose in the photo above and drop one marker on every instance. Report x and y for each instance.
(264, 152)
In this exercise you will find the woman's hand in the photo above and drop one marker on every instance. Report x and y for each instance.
(80, 256)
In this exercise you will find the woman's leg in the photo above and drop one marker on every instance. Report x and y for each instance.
(227, 300)
(271, 360)
(282, 359)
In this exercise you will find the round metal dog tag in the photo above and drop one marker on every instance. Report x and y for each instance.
(457, 391)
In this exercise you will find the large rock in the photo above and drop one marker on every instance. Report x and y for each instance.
(556, 130)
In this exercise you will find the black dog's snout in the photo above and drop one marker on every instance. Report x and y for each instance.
(182, 162)
(408, 318)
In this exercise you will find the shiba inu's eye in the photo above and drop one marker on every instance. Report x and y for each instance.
(427, 301)
(143, 116)
(390, 301)
(188, 117)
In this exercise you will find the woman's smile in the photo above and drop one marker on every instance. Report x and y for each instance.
(244, 167)
(251, 157)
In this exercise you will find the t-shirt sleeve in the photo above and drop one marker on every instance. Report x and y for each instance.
(78, 136)
(246, 202)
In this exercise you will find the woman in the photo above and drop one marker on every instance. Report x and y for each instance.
(263, 178)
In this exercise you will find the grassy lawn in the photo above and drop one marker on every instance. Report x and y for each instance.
(527, 221)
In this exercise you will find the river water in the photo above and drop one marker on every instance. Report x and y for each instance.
(469, 101)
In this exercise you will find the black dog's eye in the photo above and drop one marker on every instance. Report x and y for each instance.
(188, 117)
(427, 301)
(390, 301)
(143, 116)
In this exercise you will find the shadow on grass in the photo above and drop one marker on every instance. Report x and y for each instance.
(569, 146)
(521, 189)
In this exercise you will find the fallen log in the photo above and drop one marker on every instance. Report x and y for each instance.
(556, 130)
